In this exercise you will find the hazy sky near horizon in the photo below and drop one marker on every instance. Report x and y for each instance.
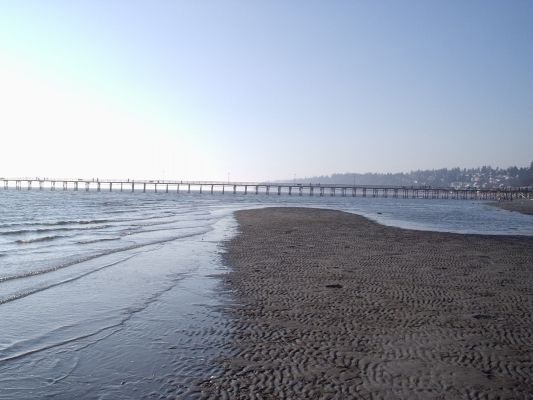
(263, 90)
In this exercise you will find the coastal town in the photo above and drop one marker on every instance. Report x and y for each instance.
(485, 177)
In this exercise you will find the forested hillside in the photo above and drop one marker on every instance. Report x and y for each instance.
(482, 177)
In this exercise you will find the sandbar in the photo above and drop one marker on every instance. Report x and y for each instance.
(331, 305)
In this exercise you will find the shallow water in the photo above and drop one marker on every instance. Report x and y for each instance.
(112, 295)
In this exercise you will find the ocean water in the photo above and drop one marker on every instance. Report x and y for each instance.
(116, 295)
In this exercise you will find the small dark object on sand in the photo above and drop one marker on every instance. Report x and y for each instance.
(483, 316)
(334, 286)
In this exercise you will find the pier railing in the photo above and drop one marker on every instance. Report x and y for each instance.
(268, 188)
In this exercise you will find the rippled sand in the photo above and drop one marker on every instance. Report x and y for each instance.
(334, 306)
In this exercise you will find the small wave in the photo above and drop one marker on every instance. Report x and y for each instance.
(43, 230)
(39, 239)
(28, 274)
(63, 222)
(97, 240)
(20, 295)
(80, 222)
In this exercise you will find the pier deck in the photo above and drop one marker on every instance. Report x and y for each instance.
(268, 188)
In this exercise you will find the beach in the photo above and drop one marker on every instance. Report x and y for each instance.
(331, 305)
(111, 295)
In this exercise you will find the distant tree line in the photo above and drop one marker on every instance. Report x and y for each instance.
(481, 177)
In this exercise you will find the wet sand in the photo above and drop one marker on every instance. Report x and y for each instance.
(521, 205)
(334, 306)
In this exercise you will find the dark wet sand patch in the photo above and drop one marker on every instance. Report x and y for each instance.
(331, 305)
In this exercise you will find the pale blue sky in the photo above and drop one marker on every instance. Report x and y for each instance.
(264, 90)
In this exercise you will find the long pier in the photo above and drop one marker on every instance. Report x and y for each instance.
(291, 189)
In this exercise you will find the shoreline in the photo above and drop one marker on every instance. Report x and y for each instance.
(522, 206)
(333, 305)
